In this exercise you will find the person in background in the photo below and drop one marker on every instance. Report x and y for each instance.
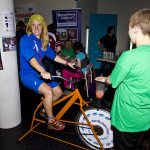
(55, 44)
(109, 43)
(20, 32)
(33, 47)
(54, 41)
(68, 52)
(130, 113)
(81, 61)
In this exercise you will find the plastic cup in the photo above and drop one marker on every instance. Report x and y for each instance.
(100, 89)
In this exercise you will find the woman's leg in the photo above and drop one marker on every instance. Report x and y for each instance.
(50, 95)
(57, 93)
(46, 90)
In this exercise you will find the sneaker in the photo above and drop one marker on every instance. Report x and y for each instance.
(55, 125)
(43, 114)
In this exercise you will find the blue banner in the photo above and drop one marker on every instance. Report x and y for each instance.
(68, 23)
(98, 28)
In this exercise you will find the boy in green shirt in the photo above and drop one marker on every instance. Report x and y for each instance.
(130, 113)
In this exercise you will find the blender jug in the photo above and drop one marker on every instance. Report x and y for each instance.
(101, 87)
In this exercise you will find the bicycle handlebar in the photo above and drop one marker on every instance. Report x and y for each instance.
(60, 77)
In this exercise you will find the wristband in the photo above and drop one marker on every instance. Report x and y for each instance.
(67, 62)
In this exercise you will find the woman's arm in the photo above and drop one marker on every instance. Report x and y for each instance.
(62, 61)
(34, 63)
(78, 63)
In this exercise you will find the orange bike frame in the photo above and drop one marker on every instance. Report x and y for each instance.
(74, 96)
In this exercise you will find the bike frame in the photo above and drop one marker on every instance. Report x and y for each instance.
(74, 96)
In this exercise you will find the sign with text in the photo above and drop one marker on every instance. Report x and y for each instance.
(68, 23)
(8, 23)
(24, 12)
(66, 18)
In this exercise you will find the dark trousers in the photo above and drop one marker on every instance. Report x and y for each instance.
(128, 140)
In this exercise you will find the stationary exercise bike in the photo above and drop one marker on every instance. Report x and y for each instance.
(92, 122)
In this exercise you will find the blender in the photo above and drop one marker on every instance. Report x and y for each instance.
(101, 87)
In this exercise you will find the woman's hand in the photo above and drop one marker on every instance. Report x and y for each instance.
(45, 75)
(70, 64)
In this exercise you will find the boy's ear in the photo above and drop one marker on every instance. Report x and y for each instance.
(136, 28)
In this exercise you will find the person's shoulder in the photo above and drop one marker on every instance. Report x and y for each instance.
(51, 34)
(71, 49)
(129, 54)
(113, 36)
(57, 36)
(79, 54)
(103, 37)
(64, 49)
(25, 37)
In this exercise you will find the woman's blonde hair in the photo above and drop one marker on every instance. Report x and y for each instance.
(68, 44)
(141, 18)
(44, 34)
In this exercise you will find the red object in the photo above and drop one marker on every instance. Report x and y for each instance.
(99, 94)
(67, 62)
(54, 41)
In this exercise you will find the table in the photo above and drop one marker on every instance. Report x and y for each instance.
(106, 60)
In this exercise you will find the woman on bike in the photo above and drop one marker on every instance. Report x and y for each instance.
(33, 47)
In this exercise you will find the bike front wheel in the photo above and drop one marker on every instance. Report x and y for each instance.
(101, 119)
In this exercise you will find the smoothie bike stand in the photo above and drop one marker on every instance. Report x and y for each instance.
(92, 123)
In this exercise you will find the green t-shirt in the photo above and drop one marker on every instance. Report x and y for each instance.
(69, 52)
(131, 76)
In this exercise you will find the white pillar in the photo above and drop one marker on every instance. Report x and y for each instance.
(87, 41)
(10, 113)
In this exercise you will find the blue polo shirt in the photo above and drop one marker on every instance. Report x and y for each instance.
(30, 46)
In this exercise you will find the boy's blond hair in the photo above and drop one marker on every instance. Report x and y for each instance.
(141, 18)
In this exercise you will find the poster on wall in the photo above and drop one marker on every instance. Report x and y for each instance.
(68, 23)
(24, 11)
(9, 44)
(8, 22)
(1, 65)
